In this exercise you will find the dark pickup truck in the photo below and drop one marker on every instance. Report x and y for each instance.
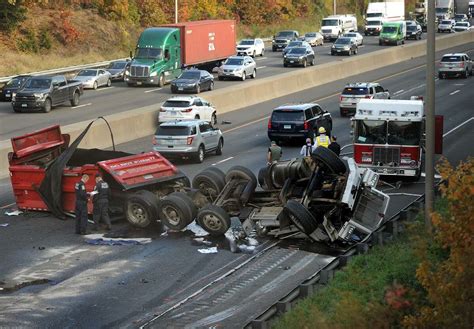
(43, 92)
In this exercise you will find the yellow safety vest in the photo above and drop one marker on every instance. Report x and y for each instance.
(322, 140)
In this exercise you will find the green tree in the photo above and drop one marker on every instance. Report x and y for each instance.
(12, 13)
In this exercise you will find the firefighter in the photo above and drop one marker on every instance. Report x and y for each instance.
(307, 149)
(274, 153)
(334, 146)
(81, 205)
(101, 203)
(322, 139)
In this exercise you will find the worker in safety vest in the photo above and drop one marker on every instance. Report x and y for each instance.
(274, 153)
(322, 139)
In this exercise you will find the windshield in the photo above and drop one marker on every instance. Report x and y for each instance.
(176, 103)
(404, 133)
(330, 22)
(295, 44)
(389, 29)
(175, 131)
(190, 75)
(342, 41)
(441, 10)
(355, 91)
(117, 65)
(350, 35)
(246, 42)
(310, 35)
(297, 50)
(446, 22)
(377, 23)
(459, 16)
(411, 28)
(16, 82)
(285, 34)
(87, 73)
(287, 115)
(461, 24)
(234, 61)
(374, 15)
(36, 83)
(451, 59)
(371, 132)
(148, 53)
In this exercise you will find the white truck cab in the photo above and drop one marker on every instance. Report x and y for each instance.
(336, 25)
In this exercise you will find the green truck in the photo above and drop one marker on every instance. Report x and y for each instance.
(162, 52)
(393, 33)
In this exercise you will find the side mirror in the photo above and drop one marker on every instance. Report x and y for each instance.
(55, 87)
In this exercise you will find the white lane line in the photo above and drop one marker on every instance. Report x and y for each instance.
(79, 106)
(459, 84)
(106, 88)
(260, 58)
(454, 92)
(261, 67)
(152, 90)
(222, 161)
(457, 127)
(8, 205)
(398, 92)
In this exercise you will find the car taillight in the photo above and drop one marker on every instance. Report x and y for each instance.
(341, 98)
(154, 141)
(162, 110)
(269, 123)
(186, 110)
(368, 96)
(189, 140)
(306, 125)
(461, 64)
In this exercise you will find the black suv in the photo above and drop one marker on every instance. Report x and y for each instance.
(299, 121)
(283, 38)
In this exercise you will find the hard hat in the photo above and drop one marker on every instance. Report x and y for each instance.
(321, 130)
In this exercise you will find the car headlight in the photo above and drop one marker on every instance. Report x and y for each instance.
(153, 74)
(347, 48)
(13, 96)
(333, 47)
(127, 72)
(39, 95)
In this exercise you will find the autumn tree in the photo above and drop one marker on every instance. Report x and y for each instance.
(12, 13)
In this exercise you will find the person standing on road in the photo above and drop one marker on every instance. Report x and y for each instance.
(274, 153)
(322, 139)
(101, 203)
(334, 146)
(81, 205)
(307, 149)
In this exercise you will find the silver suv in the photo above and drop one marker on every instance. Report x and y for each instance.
(188, 139)
(458, 65)
(354, 92)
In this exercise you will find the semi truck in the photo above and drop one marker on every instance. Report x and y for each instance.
(334, 26)
(380, 12)
(421, 14)
(444, 9)
(471, 8)
(163, 52)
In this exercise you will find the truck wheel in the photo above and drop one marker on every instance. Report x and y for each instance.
(176, 211)
(161, 80)
(75, 99)
(329, 160)
(240, 172)
(220, 145)
(199, 156)
(95, 85)
(141, 209)
(209, 182)
(214, 220)
(300, 216)
(47, 106)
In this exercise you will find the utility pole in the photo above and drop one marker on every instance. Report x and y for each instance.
(430, 115)
(176, 11)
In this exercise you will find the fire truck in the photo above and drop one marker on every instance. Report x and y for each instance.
(388, 136)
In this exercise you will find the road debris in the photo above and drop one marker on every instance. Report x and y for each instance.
(99, 239)
(211, 250)
(13, 213)
(4, 225)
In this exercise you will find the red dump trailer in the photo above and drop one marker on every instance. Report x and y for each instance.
(44, 167)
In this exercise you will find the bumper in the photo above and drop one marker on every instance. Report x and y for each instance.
(183, 89)
(388, 41)
(37, 105)
(245, 52)
(444, 30)
(293, 61)
(372, 32)
(230, 75)
(279, 45)
(340, 52)
(347, 110)
(452, 72)
(117, 78)
(138, 81)
(412, 36)
(175, 151)
(330, 36)
(167, 118)
(288, 136)
(88, 85)
(390, 171)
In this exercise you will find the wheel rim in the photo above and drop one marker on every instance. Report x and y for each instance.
(208, 189)
(137, 214)
(201, 154)
(95, 85)
(212, 222)
(48, 105)
(109, 83)
(76, 98)
(212, 86)
(172, 215)
(198, 89)
(254, 73)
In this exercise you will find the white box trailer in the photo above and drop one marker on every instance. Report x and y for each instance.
(381, 12)
(334, 26)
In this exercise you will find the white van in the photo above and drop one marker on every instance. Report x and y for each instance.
(334, 26)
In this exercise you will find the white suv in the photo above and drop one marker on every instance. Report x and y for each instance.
(187, 107)
(457, 65)
(251, 47)
(354, 92)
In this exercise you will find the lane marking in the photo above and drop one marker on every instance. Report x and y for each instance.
(260, 58)
(459, 84)
(457, 127)
(79, 106)
(454, 92)
(397, 92)
(8, 205)
(261, 67)
(152, 90)
(222, 161)
(106, 88)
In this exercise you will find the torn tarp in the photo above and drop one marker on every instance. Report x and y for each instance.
(99, 239)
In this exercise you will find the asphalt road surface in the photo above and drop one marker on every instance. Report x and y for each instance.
(72, 284)
(119, 97)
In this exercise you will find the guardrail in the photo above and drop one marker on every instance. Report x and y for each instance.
(69, 69)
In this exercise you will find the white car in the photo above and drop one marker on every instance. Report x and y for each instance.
(251, 47)
(462, 26)
(94, 78)
(187, 107)
(238, 67)
(359, 39)
(446, 25)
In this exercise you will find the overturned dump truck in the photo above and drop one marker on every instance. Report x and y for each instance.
(44, 167)
(320, 196)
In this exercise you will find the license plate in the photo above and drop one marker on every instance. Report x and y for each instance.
(24, 105)
(286, 126)
(292, 62)
(139, 83)
(338, 51)
(180, 88)
(7, 95)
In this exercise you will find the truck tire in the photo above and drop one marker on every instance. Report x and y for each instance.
(177, 211)
(209, 183)
(75, 99)
(141, 209)
(329, 160)
(261, 177)
(214, 220)
(161, 80)
(300, 216)
(47, 105)
(240, 172)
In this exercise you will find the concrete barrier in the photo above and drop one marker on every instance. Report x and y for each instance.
(141, 122)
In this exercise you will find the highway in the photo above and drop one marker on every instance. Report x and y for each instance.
(128, 286)
(119, 97)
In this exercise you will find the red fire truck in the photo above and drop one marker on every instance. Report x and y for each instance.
(388, 136)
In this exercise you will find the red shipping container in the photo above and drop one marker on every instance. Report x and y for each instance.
(206, 41)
